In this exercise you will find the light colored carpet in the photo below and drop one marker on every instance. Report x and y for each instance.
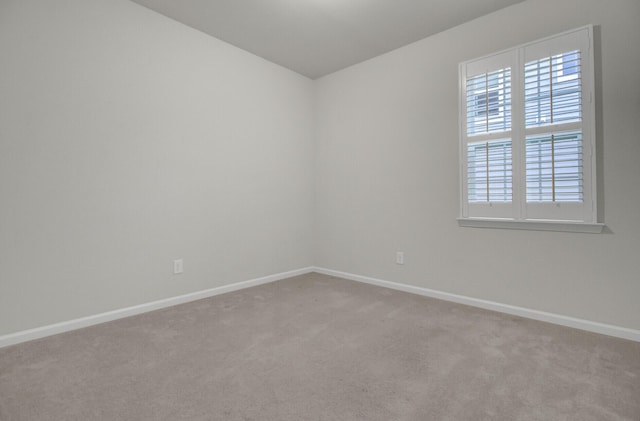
(321, 348)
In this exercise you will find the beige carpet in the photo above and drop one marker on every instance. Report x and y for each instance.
(321, 348)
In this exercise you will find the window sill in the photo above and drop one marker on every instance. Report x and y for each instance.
(535, 225)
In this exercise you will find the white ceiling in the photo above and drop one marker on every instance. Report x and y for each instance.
(318, 37)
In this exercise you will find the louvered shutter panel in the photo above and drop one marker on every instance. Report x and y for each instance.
(554, 167)
(489, 102)
(490, 171)
(553, 98)
(553, 89)
(488, 124)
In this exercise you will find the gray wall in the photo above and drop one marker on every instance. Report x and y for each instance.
(387, 172)
(128, 140)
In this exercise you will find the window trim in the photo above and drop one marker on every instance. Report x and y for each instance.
(516, 217)
(533, 225)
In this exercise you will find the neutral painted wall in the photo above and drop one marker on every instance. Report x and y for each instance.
(387, 172)
(128, 140)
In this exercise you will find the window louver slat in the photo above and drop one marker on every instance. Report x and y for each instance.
(490, 171)
(554, 167)
(489, 102)
(552, 87)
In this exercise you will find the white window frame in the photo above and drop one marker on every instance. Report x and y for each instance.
(520, 214)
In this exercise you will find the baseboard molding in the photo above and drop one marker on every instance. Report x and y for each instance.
(41, 332)
(605, 329)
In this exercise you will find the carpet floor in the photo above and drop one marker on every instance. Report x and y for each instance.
(321, 348)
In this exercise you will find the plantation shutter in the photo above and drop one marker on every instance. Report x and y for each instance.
(527, 133)
(553, 95)
(556, 160)
(487, 101)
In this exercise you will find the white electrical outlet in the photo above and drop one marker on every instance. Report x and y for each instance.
(178, 266)
(400, 258)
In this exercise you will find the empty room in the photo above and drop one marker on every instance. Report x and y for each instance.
(319, 210)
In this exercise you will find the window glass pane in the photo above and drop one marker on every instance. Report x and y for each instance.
(489, 174)
(554, 167)
(553, 90)
(489, 102)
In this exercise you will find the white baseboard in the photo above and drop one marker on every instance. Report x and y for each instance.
(41, 332)
(605, 329)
